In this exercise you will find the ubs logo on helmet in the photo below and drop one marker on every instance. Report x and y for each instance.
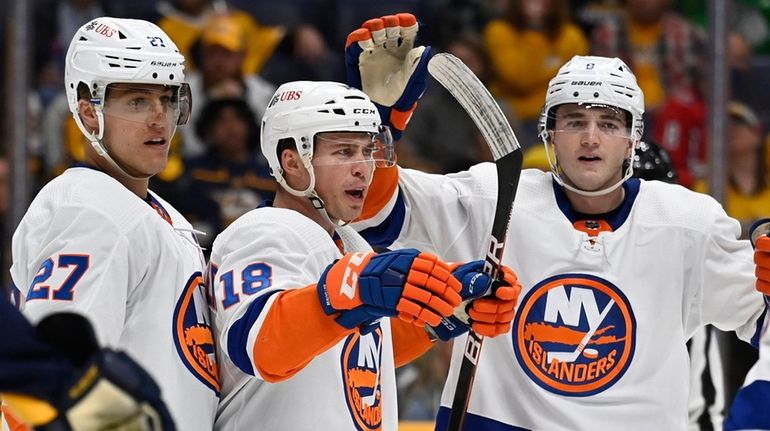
(362, 377)
(574, 334)
(285, 96)
(100, 28)
(192, 333)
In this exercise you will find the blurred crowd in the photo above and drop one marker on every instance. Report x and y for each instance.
(239, 51)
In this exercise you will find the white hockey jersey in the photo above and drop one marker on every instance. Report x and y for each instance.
(670, 265)
(89, 245)
(351, 386)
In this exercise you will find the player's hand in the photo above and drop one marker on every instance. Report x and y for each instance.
(762, 260)
(363, 287)
(488, 314)
(110, 390)
(381, 60)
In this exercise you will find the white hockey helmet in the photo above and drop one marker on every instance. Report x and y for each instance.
(300, 110)
(593, 81)
(117, 50)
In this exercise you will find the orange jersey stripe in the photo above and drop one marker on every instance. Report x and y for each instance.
(409, 341)
(295, 331)
(384, 186)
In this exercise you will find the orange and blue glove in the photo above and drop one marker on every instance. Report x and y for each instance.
(363, 287)
(383, 62)
(489, 312)
(761, 242)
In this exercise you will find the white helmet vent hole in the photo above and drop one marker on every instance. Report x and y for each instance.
(154, 74)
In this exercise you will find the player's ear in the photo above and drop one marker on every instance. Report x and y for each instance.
(88, 115)
(293, 169)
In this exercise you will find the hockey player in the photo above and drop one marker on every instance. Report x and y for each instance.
(57, 378)
(598, 341)
(97, 242)
(305, 311)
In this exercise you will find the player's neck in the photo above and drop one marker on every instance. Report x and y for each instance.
(136, 186)
(596, 204)
(302, 205)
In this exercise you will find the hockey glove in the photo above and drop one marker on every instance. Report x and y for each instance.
(382, 61)
(489, 314)
(758, 234)
(363, 287)
(111, 391)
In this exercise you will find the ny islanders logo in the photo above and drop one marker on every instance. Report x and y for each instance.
(192, 333)
(574, 334)
(361, 374)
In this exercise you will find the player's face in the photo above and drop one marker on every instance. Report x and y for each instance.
(591, 144)
(343, 166)
(140, 120)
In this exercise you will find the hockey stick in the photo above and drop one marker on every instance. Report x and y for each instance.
(466, 88)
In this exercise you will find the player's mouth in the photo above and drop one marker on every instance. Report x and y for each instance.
(357, 194)
(589, 158)
(156, 142)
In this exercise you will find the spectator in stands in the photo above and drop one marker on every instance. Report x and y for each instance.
(183, 21)
(747, 196)
(232, 177)
(664, 49)
(667, 52)
(221, 51)
(526, 47)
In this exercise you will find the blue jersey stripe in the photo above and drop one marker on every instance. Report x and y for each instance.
(384, 234)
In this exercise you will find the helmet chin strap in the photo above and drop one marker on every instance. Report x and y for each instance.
(587, 193)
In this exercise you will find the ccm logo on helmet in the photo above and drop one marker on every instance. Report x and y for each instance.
(586, 83)
(365, 111)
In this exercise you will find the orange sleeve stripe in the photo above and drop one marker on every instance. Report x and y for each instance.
(409, 341)
(295, 331)
(399, 119)
(384, 185)
(358, 35)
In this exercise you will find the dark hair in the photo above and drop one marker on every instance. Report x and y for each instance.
(554, 20)
(213, 109)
